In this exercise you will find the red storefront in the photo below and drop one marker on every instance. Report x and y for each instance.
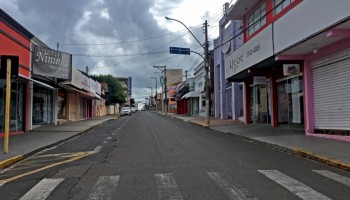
(15, 40)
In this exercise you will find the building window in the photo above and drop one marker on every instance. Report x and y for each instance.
(280, 5)
(257, 19)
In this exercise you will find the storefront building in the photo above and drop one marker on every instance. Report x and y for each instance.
(294, 73)
(42, 95)
(15, 40)
(228, 96)
(49, 68)
(199, 90)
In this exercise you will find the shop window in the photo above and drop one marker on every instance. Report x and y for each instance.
(16, 106)
(61, 103)
(280, 5)
(256, 19)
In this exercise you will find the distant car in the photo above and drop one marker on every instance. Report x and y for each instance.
(143, 109)
(125, 111)
(132, 109)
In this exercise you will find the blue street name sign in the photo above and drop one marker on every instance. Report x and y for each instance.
(179, 50)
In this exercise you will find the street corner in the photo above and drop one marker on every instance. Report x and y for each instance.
(10, 161)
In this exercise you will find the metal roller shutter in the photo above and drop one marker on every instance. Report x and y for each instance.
(331, 86)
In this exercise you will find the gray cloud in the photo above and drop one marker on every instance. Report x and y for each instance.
(105, 21)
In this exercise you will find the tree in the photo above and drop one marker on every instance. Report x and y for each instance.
(116, 93)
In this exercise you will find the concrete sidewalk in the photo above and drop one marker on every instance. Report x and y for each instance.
(43, 137)
(328, 151)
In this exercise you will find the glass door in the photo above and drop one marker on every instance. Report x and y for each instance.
(259, 104)
(290, 102)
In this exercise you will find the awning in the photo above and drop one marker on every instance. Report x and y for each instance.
(192, 94)
(37, 82)
(94, 95)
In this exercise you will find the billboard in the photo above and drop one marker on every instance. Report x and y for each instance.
(173, 76)
(79, 80)
(51, 63)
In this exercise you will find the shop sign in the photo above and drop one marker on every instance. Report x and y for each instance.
(173, 76)
(79, 80)
(252, 52)
(291, 69)
(92, 85)
(51, 63)
(98, 88)
(14, 66)
(259, 80)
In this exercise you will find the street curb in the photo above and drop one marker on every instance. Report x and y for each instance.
(8, 162)
(296, 152)
(321, 159)
(198, 124)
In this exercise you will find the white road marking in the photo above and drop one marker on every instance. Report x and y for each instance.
(109, 138)
(336, 177)
(97, 149)
(104, 142)
(42, 190)
(104, 188)
(300, 189)
(231, 191)
(167, 188)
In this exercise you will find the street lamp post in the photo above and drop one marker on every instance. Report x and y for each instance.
(156, 92)
(151, 96)
(165, 90)
(206, 61)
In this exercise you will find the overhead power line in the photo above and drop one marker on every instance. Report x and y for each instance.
(125, 42)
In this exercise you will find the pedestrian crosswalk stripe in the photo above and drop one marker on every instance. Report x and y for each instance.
(42, 190)
(231, 191)
(336, 177)
(300, 189)
(167, 187)
(104, 188)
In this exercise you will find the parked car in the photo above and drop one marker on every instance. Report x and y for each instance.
(132, 109)
(125, 111)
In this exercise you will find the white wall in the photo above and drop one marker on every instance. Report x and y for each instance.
(307, 18)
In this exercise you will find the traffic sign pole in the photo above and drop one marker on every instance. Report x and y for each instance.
(7, 106)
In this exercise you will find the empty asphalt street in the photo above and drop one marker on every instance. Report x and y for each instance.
(149, 156)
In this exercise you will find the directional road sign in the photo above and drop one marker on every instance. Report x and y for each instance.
(179, 50)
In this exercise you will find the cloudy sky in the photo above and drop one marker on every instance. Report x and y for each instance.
(121, 37)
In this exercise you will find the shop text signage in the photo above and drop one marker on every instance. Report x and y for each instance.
(51, 63)
(291, 69)
(259, 80)
(173, 76)
(79, 80)
(252, 52)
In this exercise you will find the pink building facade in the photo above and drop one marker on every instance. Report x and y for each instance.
(295, 64)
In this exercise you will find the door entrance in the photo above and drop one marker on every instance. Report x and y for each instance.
(259, 104)
(290, 102)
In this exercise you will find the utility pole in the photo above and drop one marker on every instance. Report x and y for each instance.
(206, 60)
(163, 70)
(207, 95)
(155, 78)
